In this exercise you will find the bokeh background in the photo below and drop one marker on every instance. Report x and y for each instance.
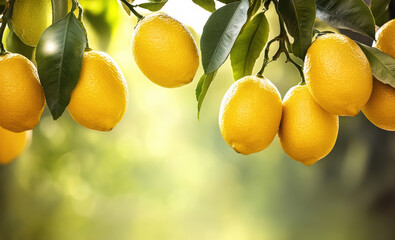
(163, 174)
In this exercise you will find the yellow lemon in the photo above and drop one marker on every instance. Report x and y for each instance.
(100, 98)
(22, 98)
(250, 114)
(338, 74)
(11, 145)
(30, 19)
(307, 132)
(380, 109)
(165, 51)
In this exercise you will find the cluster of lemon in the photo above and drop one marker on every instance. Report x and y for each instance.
(338, 83)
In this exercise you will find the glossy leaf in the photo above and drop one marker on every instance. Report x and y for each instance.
(220, 33)
(202, 87)
(299, 17)
(209, 5)
(380, 10)
(59, 9)
(383, 65)
(354, 15)
(153, 6)
(249, 45)
(254, 7)
(59, 59)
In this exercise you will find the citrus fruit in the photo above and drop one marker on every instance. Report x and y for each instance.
(11, 145)
(338, 74)
(30, 19)
(380, 109)
(165, 51)
(22, 98)
(100, 98)
(307, 132)
(250, 114)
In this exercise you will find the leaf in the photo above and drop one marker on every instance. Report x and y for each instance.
(59, 59)
(383, 65)
(299, 17)
(220, 33)
(380, 10)
(354, 15)
(202, 87)
(228, 1)
(208, 5)
(59, 9)
(249, 45)
(126, 8)
(254, 7)
(154, 5)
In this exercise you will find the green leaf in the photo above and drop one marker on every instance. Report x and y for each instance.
(254, 7)
(220, 33)
(59, 9)
(383, 65)
(299, 17)
(354, 15)
(380, 10)
(59, 59)
(249, 45)
(208, 5)
(202, 87)
(153, 6)
(228, 1)
(126, 8)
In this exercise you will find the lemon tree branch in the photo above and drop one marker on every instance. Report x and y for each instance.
(4, 19)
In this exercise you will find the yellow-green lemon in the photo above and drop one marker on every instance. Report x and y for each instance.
(307, 132)
(338, 74)
(380, 109)
(30, 19)
(100, 98)
(165, 51)
(22, 98)
(250, 114)
(11, 145)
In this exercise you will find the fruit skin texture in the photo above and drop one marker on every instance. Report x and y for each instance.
(307, 132)
(380, 109)
(250, 114)
(11, 145)
(100, 98)
(165, 51)
(22, 98)
(30, 19)
(338, 74)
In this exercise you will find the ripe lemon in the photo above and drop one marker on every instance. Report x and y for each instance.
(11, 145)
(338, 74)
(380, 109)
(307, 132)
(250, 114)
(100, 98)
(22, 98)
(165, 50)
(30, 19)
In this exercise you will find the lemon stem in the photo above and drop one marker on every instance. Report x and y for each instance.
(131, 7)
(80, 16)
(7, 14)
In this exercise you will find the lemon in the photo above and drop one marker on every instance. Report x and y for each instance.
(250, 114)
(22, 98)
(165, 51)
(307, 132)
(338, 74)
(30, 19)
(11, 145)
(100, 98)
(380, 109)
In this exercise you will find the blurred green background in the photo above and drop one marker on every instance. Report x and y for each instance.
(162, 174)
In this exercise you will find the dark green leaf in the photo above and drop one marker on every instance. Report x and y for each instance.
(59, 59)
(202, 87)
(254, 7)
(15, 45)
(380, 10)
(299, 17)
(249, 45)
(154, 5)
(228, 1)
(354, 15)
(383, 65)
(59, 9)
(209, 5)
(220, 33)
